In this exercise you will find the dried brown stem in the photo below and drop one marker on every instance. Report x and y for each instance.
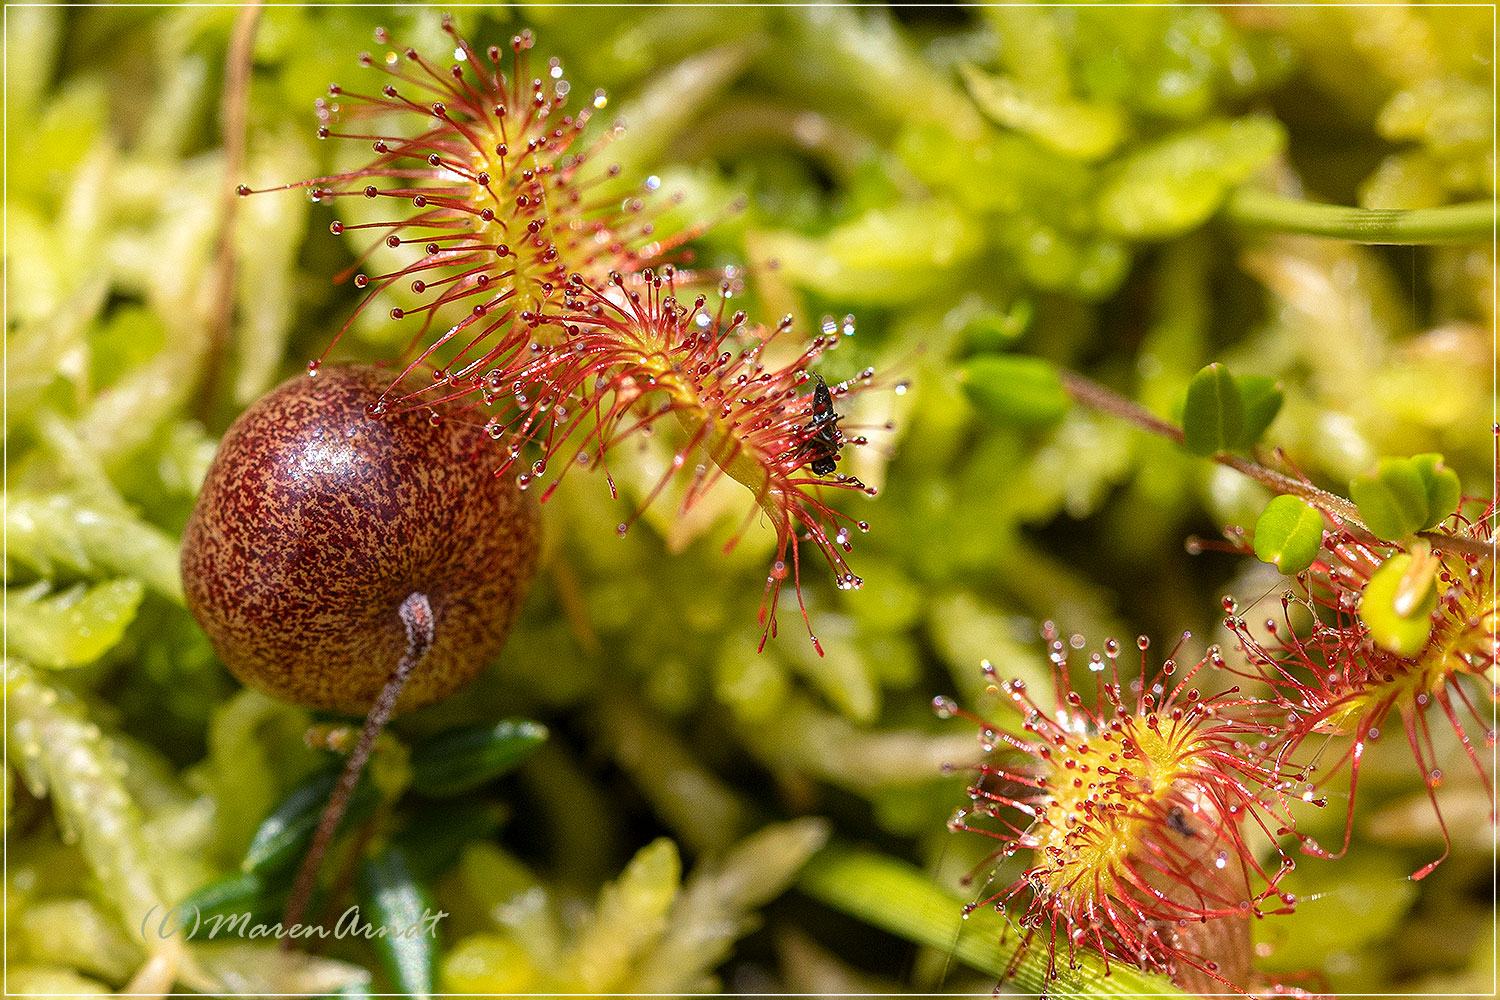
(1096, 396)
(416, 615)
(235, 113)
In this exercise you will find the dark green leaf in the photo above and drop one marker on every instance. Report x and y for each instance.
(466, 758)
(1288, 534)
(1016, 389)
(391, 899)
(1213, 414)
(233, 895)
(1262, 398)
(284, 835)
(435, 836)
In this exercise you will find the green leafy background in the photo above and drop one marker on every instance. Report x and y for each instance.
(1044, 182)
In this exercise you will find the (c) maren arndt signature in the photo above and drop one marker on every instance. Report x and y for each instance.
(192, 925)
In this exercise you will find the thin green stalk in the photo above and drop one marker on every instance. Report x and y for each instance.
(898, 898)
(1470, 222)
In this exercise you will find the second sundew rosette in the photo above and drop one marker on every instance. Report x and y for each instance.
(1142, 809)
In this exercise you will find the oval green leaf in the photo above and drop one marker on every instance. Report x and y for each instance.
(1262, 398)
(229, 898)
(1288, 534)
(1392, 500)
(284, 836)
(1441, 485)
(1213, 414)
(1016, 389)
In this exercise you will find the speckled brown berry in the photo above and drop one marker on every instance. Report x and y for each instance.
(317, 521)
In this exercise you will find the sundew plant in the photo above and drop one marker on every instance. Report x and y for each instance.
(677, 500)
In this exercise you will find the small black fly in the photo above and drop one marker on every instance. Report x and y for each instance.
(1177, 821)
(826, 440)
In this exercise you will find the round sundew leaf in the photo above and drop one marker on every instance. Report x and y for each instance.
(1288, 534)
(1441, 486)
(1392, 500)
(1262, 398)
(1016, 389)
(1404, 635)
(1213, 415)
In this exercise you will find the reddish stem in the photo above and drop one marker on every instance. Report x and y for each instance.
(1092, 394)
(416, 615)
(235, 111)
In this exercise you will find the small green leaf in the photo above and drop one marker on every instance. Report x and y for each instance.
(228, 898)
(1441, 486)
(1404, 635)
(71, 628)
(392, 898)
(1016, 389)
(1077, 129)
(465, 758)
(1262, 398)
(992, 330)
(1213, 415)
(1288, 534)
(284, 835)
(1392, 500)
